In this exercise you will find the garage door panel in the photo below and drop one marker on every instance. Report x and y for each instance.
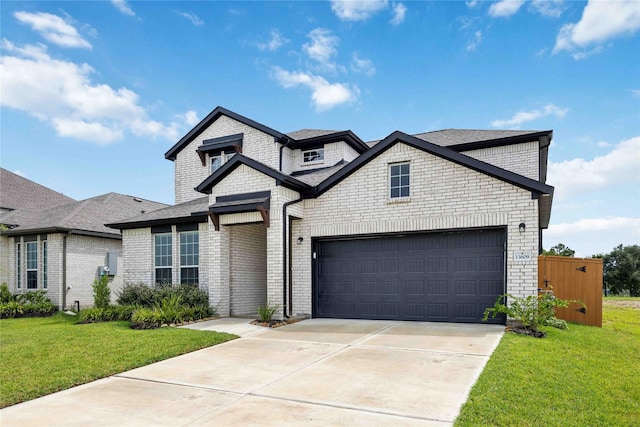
(426, 277)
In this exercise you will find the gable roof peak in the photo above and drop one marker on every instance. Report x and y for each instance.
(208, 120)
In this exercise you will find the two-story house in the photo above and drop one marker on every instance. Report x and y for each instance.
(427, 227)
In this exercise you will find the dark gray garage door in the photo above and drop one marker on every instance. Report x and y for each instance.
(447, 277)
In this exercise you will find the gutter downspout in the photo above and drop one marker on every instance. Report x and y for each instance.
(285, 306)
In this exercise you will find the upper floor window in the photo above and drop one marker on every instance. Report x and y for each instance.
(310, 156)
(162, 255)
(217, 160)
(399, 175)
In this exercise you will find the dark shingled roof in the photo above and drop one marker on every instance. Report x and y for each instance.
(17, 192)
(448, 137)
(84, 217)
(310, 133)
(182, 212)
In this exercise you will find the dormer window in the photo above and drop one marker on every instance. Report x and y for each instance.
(217, 160)
(313, 156)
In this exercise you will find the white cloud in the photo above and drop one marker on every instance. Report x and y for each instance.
(19, 173)
(357, 10)
(590, 236)
(195, 19)
(274, 42)
(505, 8)
(362, 65)
(475, 42)
(123, 7)
(190, 118)
(527, 116)
(53, 28)
(399, 13)
(601, 21)
(62, 93)
(471, 3)
(620, 166)
(635, 92)
(550, 8)
(322, 47)
(324, 95)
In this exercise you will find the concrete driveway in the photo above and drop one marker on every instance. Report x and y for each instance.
(316, 372)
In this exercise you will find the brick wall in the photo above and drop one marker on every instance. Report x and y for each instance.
(5, 249)
(248, 268)
(138, 249)
(522, 158)
(444, 196)
(189, 172)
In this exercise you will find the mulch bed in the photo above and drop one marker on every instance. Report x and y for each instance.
(276, 323)
(525, 331)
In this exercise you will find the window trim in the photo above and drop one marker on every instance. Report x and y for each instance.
(224, 157)
(45, 254)
(18, 265)
(400, 186)
(195, 255)
(319, 153)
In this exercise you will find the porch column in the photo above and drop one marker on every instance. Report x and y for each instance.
(219, 289)
(274, 262)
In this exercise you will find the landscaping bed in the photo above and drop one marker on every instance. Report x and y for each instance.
(276, 323)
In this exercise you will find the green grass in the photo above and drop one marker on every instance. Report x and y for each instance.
(584, 376)
(39, 356)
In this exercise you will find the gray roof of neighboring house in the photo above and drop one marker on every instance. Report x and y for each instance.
(310, 133)
(182, 212)
(87, 216)
(17, 192)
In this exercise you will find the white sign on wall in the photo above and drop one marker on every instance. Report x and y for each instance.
(522, 256)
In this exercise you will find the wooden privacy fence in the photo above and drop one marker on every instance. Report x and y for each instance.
(573, 278)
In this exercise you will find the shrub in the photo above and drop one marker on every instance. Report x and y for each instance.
(5, 295)
(29, 304)
(101, 292)
(111, 313)
(266, 312)
(530, 312)
(145, 318)
(135, 294)
(170, 309)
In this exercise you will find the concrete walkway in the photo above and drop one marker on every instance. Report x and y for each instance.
(317, 372)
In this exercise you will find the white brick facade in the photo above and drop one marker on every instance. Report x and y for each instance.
(84, 256)
(244, 264)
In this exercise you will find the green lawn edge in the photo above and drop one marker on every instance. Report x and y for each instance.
(584, 376)
(40, 356)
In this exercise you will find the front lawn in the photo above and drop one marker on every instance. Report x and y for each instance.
(584, 376)
(39, 356)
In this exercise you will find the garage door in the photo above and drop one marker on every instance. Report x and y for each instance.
(446, 277)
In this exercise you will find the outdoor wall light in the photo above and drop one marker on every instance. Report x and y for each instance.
(522, 227)
(300, 240)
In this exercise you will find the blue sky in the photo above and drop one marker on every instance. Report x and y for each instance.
(94, 93)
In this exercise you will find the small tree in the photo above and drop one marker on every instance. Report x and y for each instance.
(559, 250)
(101, 292)
(622, 270)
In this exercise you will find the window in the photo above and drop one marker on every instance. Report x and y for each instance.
(163, 253)
(44, 265)
(189, 257)
(310, 156)
(217, 160)
(399, 180)
(32, 265)
(18, 265)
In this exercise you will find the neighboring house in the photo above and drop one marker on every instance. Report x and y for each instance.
(19, 193)
(427, 227)
(63, 248)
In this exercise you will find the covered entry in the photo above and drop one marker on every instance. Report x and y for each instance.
(446, 277)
